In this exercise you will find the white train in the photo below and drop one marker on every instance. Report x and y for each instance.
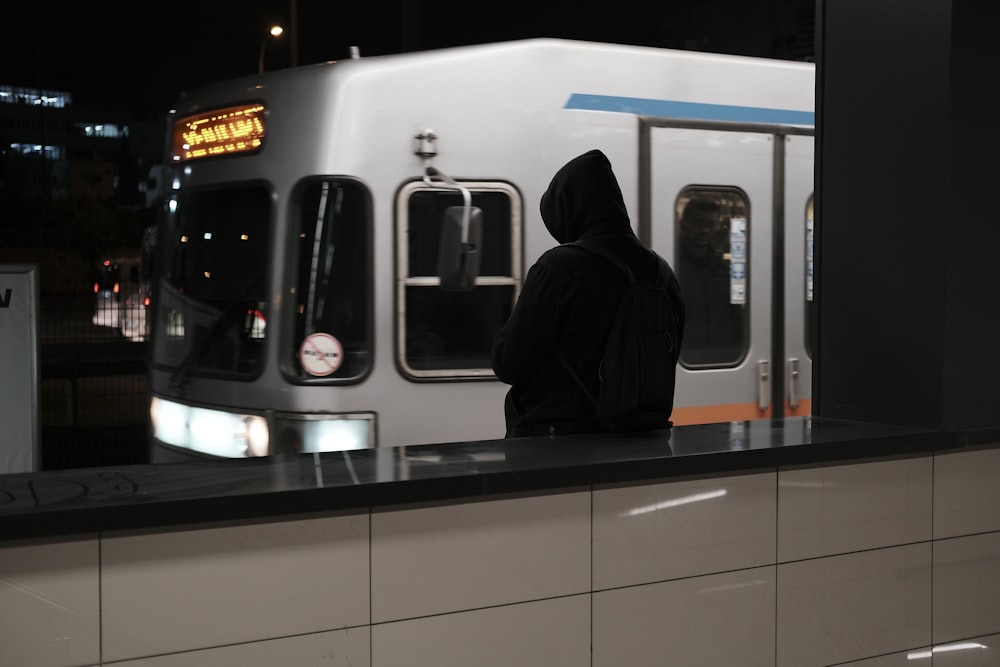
(315, 287)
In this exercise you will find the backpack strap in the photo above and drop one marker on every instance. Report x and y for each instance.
(602, 416)
(597, 249)
(661, 277)
(607, 254)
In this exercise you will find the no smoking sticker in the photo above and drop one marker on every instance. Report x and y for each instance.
(321, 354)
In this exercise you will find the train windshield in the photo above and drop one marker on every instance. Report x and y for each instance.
(211, 296)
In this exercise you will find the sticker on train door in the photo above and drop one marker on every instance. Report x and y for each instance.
(321, 354)
(737, 259)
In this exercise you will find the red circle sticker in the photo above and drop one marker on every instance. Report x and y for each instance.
(321, 354)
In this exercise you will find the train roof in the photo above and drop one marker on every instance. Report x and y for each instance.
(621, 66)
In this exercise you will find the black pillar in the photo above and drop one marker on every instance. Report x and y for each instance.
(908, 244)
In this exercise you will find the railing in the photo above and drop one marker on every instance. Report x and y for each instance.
(93, 396)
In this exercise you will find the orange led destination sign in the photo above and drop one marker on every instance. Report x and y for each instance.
(226, 131)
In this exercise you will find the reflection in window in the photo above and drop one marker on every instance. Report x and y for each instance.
(443, 333)
(332, 331)
(712, 264)
(212, 293)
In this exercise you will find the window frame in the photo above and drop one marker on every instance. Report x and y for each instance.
(293, 228)
(716, 192)
(404, 280)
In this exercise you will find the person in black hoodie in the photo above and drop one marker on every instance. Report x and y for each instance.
(568, 302)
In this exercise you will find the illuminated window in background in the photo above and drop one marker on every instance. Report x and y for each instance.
(51, 152)
(101, 130)
(444, 333)
(712, 265)
(35, 97)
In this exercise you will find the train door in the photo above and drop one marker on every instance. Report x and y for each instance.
(710, 196)
(799, 227)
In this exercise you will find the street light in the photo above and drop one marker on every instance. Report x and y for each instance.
(275, 31)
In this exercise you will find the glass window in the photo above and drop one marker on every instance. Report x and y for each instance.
(211, 296)
(445, 333)
(332, 283)
(712, 264)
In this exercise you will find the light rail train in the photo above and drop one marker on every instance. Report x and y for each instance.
(340, 242)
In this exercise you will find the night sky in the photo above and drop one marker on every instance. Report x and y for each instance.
(142, 55)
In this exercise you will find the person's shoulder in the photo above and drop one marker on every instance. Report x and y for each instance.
(563, 253)
(567, 261)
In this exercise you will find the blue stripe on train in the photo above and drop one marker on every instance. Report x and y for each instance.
(689, 110)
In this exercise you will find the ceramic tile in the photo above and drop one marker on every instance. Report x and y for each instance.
(656, 532)
(548, 633)
(966, 493)
(830, 510)
(341, 648)
(49, 603)
(854, 606)
(966, 587)
(432, 560)
(190, 589)
(714, 620)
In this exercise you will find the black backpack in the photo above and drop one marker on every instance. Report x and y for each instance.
(638, 369)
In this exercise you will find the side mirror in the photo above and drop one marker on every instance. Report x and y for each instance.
(459, 248)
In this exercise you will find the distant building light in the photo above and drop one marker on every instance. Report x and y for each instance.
(103, 130)
(35, 97)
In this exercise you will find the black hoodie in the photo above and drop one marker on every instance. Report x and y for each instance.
(568, 302)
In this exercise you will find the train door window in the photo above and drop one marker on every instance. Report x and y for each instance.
(331, 283)
(445, 333)
(810, 304)
(712, 242)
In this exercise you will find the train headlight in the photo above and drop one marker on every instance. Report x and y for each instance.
(257, 436)
(206, 431)
(239, 435)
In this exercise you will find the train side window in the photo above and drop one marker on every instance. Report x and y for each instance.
(712, 241)
(331, 333)
(810, 308)
(445, 334)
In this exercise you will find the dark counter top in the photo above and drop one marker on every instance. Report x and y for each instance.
(88, 500)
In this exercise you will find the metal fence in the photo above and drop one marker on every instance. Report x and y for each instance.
(93, 393)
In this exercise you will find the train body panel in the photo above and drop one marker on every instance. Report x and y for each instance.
(497, 120)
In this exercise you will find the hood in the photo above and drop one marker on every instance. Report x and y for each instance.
(584, 195)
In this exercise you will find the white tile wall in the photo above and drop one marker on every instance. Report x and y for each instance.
(966, 587)
(842, 608)
(716, 620)
(49, 603)
(433, 560)
(839, 509)
(341, 648)
(657, 532)
(966, 493)
(799, 568)
(182, 590)
(547, 633)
